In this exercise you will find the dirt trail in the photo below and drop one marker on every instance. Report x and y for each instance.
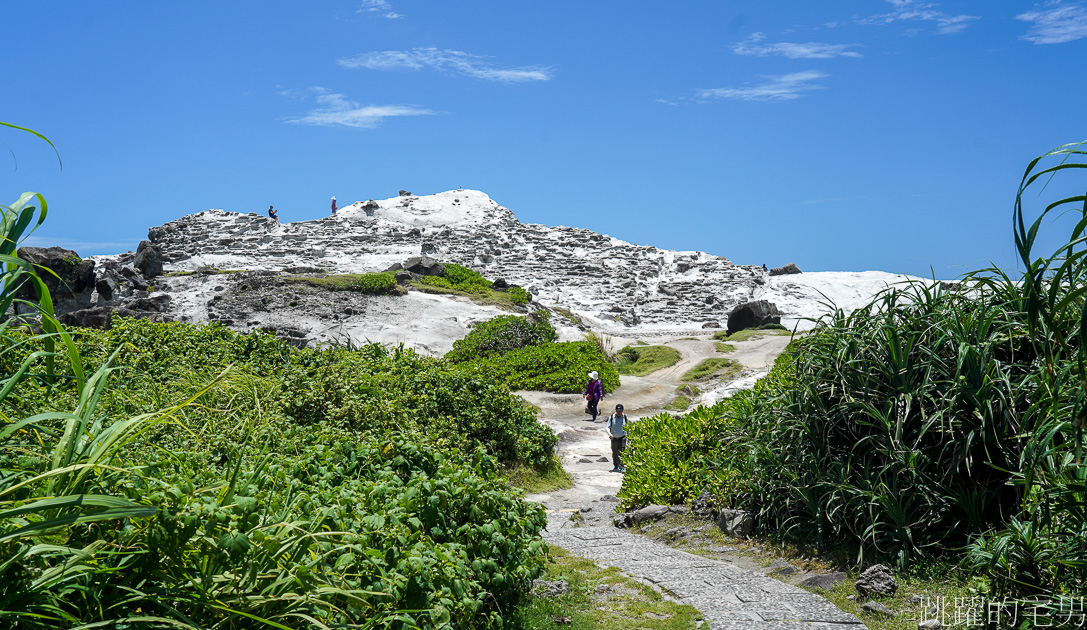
(732, 591)
(584, 447)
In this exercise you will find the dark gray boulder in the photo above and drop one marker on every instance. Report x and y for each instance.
(753, 315)
(736, 523)
(134, 278)
(878, 609)
(106, 287)
(876, 580)
(148, 259)
(95, 317)
(73, 274)
(424, 266)
(824, 581)
(786, 270)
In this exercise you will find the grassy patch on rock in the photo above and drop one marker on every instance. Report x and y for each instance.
(600, 598)
(551, 476)
(644, 360)
(724, 347)
(749, 334)
(371, 283)
(713, 368)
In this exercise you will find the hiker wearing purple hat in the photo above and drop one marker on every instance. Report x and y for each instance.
(594, 391)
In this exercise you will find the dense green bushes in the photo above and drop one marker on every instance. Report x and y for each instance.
(498, 336)
(521, 353)
(553, 367)
(298, 523)
(369, 389)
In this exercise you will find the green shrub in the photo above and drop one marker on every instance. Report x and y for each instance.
(644, 360)
(519, 296)
(553, 367)
(378, 283)
(498, 336)
(300, 522)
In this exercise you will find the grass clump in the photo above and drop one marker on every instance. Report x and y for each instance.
(721, 368)
(600, 598)
(644, 360)
(547, 478)
(459, 280)
(382, 283)
(751, 333)
(724, 347)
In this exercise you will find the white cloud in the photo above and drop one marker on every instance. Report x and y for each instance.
(1056, 24)
(810, 50)
(918, 10)
(378, 7)
(336, 111)
(453, 61)
(785, 87)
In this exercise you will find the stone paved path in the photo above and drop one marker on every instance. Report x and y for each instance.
(728, 596)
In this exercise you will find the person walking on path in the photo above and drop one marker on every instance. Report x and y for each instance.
(272, 213)
(594, 391)
(333, 205)
(617, 432)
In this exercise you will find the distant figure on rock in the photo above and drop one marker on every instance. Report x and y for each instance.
(273, 213)
(333, 205)
(617, 433)
(594, 391)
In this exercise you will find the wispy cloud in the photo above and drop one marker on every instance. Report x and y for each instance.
(918, 10)
(337, 111)
(810, 50)
(1055, 24)
(784, 87)
(452, 61)
(378, 7)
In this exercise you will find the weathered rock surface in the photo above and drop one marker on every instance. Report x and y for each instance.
(825, 581)
(876, 580)
(878, 609)
(737, 523)
(73, 275)
(753, 315)
(786, 270)
(569, 267)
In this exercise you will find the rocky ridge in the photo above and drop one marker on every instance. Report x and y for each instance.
(572, 268)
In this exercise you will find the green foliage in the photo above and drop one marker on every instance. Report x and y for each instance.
(721, 368)
(299, 523)
(498, 336)
(553, 367)
(679, 403)
(603, 344)
(751, 333)
(644, 360)
(519, 296)
(382, 283)
(724, 347)
(460, 280)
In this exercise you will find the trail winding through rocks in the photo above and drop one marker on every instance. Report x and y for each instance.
(729, 596)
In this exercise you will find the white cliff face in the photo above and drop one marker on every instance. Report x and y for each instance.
(618, 287)
(613, 283)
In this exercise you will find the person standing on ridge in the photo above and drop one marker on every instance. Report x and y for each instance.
(333, 205)
(272, 213)
(617, 433)
(594, 391)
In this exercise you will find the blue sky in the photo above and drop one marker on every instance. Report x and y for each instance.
(844, 135)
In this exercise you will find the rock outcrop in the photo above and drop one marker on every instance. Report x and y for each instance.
(753, 315)
(572, 268)
(788, 269)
